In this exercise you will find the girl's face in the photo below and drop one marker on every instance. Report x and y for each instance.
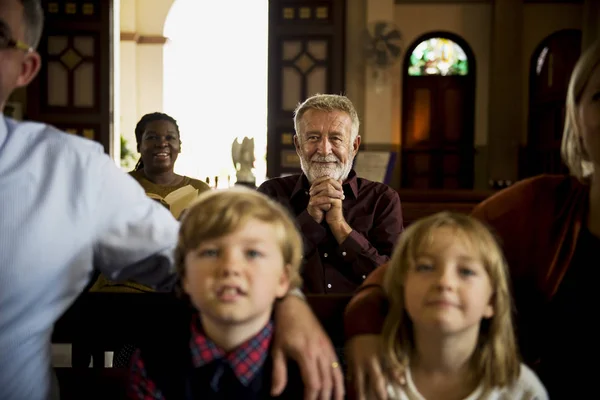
(588, 113)
(448, 289)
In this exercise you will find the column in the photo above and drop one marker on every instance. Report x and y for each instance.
(591, 23)
(377, 121)
(505, 105)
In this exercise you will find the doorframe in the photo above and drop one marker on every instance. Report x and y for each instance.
(471, 79)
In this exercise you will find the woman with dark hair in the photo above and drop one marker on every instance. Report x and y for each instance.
(159, 144)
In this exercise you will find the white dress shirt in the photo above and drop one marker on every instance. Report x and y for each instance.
(65, 208)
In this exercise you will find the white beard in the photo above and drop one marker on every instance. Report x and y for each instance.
(314, 171)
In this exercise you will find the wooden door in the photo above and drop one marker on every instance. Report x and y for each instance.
(306, 56)
(73, 90)
(437, 144)
(550, 70)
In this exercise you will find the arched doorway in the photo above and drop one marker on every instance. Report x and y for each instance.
(438, 113)
(550, 69)
(215, 83)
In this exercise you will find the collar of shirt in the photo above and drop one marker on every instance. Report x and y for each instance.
(3, 130)
(350, 185)
(245, 361)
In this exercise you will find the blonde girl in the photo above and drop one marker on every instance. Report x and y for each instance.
(449, 329)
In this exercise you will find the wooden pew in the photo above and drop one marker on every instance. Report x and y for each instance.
(105, 321)
(417, 204)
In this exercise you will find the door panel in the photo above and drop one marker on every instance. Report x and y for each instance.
(438, 127)
(306, 56)
(73, 90)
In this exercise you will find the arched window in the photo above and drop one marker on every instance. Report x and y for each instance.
(550, 70)
(438, 56)
(438, 113)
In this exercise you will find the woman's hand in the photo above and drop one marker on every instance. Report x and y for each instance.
(367, 372)
(299, 335)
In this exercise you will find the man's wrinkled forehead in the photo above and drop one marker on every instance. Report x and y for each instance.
(11, 18)
(319, 121)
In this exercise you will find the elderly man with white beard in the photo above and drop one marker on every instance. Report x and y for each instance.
(349, 224)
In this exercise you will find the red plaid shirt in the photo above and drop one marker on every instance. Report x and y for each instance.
(245, 361)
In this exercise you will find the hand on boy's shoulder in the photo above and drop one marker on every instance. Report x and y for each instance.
(294, 389)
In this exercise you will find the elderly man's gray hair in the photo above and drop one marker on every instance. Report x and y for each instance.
(328, 103)
(33, 16)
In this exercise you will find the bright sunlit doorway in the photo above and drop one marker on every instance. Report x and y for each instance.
(215, 83)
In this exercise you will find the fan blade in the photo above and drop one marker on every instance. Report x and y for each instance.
(393, 49)
(379, 28)
(392, 35)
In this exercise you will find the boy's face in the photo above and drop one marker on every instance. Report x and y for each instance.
(448, 290)
(236, 278)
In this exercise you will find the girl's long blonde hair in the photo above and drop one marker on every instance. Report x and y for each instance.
(495, 360)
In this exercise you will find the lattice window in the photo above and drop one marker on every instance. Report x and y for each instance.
(304, 70)
(71, 73)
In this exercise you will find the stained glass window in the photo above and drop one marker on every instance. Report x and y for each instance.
(438, 56)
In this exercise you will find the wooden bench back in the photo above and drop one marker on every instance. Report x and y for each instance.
(417, 204)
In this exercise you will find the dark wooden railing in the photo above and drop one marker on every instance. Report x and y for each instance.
(421, 203)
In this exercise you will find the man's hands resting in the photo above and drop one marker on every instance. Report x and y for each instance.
(326, 195)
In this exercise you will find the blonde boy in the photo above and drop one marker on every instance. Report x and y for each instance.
(238, 252)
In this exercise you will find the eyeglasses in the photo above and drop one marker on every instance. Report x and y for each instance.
(7, 42)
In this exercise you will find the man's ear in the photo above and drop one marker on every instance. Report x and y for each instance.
(356, 144)
(296, 142)
(32, 62)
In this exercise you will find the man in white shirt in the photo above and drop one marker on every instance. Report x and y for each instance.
(66, 207)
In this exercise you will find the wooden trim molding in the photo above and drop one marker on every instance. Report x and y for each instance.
(129, 37)
(157, 39)
(142, 39)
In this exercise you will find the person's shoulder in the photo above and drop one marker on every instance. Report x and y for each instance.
(547, 183)
(198, 184)
(523, 196)
(380, 189)
(527, 386)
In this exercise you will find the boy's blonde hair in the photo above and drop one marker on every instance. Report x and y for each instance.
(218, 213)
(495, 357)
(572, 148)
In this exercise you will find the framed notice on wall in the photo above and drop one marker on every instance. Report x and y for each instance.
(376, 166)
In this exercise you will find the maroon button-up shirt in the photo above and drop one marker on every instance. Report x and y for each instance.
(373, 211)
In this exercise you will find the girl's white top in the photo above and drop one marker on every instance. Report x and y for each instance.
(526, 387)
